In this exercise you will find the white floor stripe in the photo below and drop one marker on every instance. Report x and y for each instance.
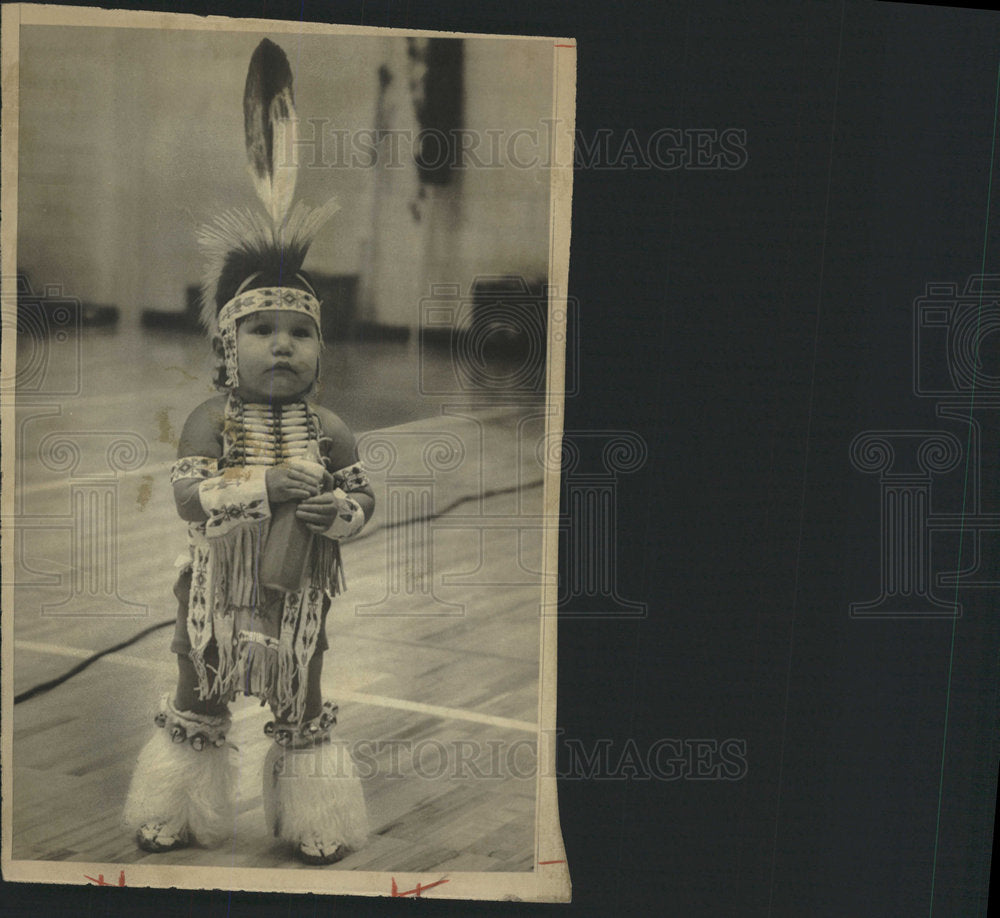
(78, 653)
(381, 701)
(434, 710)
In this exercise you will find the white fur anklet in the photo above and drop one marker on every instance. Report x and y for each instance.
(313, 796)
(182, 789)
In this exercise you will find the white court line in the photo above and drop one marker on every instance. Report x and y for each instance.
(78, 653)
(380, 701)
(436, 710)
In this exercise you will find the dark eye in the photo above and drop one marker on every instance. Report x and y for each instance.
(302, 333)
(262, 329)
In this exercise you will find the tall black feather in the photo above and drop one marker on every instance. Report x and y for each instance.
(268, 117)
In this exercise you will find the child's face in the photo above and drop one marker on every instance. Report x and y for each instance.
(278, 355)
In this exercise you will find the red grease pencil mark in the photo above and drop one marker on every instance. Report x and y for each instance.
(101, 882)
(552, 862)
(565, 46)
(414, 892)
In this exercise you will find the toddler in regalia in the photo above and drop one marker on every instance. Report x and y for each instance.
(269, 484)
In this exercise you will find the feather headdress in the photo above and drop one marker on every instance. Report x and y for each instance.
(244, 248)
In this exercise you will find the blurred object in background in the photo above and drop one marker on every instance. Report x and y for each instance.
(338, 294)
(437, 66)
(175, 319)
(494, 338)
(47, 309)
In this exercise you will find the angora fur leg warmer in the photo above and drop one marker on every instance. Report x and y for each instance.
(185, 778)
(314, 794)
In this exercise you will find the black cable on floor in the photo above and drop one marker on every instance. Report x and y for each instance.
(457, 502)
(44, 687)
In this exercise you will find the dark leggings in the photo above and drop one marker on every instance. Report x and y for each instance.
(187, 681)
(187, 690)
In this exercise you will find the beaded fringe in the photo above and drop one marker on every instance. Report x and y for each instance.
(271, 671)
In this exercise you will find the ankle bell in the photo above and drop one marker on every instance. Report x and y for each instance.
(310, 733)
(199, 730)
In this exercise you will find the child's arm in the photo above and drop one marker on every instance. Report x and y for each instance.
(198, 454)
(343, 512)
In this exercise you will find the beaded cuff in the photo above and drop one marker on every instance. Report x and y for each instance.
(193, 467)
(238, 496)
(351, 478)
(349, 522)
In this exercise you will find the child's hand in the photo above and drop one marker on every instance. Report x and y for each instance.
(286, 483)
(319, 513)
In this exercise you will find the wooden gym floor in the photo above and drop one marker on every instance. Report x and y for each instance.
(437, 681)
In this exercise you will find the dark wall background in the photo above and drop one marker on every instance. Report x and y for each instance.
(748, 324)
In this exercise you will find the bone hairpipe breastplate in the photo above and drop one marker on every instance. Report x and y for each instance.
(263, 434)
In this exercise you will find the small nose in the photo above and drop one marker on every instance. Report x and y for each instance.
(281, 343)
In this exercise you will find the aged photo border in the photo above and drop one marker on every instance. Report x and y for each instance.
(549, 881)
